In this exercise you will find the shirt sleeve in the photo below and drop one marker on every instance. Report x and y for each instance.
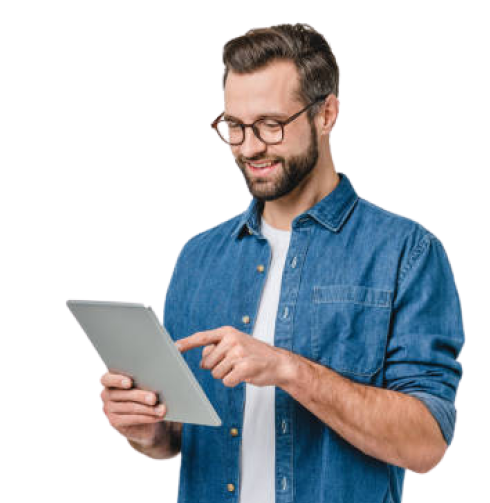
(173, 310)
(426, 334)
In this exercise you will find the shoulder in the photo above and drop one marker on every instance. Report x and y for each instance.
(210, 240)
(398, 235)
(396, 227)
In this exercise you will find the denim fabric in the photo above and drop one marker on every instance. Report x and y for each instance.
(365, 292)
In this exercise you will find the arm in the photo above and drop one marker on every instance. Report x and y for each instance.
(166, 445)
(410, 420)
(385, 424)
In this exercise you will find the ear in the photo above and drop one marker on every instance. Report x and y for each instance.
(328, 115)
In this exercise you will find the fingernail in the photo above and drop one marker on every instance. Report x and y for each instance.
(178, 346)
(149, 398)
(126, 383)
(159, 410)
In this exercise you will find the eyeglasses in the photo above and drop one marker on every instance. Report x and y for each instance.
(269, 131)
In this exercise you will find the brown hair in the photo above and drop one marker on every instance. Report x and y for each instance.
(300, 43)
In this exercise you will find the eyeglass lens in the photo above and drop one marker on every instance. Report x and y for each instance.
(269, 131)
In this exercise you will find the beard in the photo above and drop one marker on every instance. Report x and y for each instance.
(286, 176)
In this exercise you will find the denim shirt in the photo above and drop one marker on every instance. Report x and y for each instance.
(365, 292)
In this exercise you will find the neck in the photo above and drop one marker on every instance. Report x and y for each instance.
(322, 180)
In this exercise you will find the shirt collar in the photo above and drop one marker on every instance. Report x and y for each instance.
(331, 211)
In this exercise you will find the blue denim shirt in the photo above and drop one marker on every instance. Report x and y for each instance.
(365, 292)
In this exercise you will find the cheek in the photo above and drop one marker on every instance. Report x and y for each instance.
(235, 152)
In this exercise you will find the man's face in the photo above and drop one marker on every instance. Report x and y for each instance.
(268, 92)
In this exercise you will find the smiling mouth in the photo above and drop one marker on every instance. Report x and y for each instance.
(262, 168)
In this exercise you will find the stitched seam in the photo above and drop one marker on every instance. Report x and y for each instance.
(416, 253)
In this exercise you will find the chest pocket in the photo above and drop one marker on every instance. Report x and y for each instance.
(350, 326)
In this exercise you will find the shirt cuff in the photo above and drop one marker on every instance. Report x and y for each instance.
(443, 411)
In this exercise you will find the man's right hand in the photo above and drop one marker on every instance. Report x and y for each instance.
(132, 411)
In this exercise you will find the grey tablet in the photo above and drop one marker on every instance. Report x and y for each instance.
(131, 341)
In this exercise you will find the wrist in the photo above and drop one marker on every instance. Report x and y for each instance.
(286, 369)
(137, 446)
(151, 449)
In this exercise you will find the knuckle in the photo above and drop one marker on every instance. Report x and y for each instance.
(102, 379)
(105, 409)
(245, 366)
(143, 396)
(122, 395)
(135, 408)
(228, 382)
(106, 406)
(114, 422)
(206, 351)
(238, 352)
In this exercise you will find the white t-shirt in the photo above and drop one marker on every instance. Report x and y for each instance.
(258, 447)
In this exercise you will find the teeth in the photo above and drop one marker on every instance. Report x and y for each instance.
(266, 164)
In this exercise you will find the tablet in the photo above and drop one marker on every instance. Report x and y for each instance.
(132, 342)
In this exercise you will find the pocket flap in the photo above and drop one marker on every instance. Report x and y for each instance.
(352, 293)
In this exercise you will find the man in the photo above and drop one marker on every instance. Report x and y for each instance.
(324, 329)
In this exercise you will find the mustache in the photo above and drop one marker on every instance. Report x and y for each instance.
(243, 161)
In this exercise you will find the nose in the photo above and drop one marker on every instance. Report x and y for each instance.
(251, 145)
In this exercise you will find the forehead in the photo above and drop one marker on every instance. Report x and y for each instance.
(269, 89)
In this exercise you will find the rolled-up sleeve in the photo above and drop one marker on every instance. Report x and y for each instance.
(426, 333)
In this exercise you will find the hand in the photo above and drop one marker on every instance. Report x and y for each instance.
(235, 356)
(132, 411)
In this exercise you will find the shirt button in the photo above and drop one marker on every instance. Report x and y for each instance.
(234, 432)
(230, 487)
(286, 312)
(284, 426)
(246, 319)
(284, 483)
(293, 262)
(260, 268)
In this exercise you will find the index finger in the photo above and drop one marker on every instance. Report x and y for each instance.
(199, 339)
(111, 380)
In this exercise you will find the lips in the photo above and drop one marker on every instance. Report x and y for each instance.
(262, 171)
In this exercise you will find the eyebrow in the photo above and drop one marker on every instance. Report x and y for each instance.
(261, 116)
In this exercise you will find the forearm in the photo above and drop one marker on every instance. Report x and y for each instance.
(166, 445)
(384, 424)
